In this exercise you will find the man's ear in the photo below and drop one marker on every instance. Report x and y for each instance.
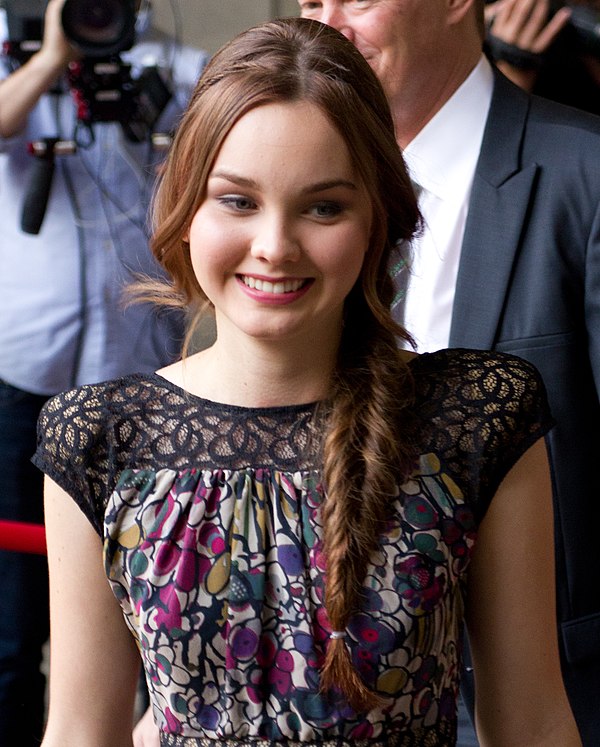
(459, 9)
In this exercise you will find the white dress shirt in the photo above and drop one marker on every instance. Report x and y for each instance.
(441, 160)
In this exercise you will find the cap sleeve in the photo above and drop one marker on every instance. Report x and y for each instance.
(72, 447)
(483, 410)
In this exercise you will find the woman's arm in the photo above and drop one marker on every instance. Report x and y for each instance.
(511, 616)
(94, 663)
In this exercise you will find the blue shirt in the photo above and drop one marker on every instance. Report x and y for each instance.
(62, 316)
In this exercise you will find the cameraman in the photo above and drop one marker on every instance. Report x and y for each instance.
(540, 48)
(62, 318)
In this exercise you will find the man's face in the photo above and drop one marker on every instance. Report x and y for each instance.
(397, 37)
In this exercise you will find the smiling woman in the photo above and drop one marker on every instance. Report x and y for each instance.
(277, 251)
(291, 519)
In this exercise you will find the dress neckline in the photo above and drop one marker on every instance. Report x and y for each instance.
(156, 378)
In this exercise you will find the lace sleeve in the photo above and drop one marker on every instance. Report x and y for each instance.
(72, 447)
(481, 410)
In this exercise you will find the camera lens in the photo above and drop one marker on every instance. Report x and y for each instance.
(99, 27)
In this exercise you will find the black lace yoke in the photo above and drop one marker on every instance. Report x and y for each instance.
(478, 412)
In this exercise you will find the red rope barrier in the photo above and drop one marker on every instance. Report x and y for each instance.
(22, 537)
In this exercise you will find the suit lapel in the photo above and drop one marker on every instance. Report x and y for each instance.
(497, 211)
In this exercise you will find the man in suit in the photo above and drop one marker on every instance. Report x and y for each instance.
(509, 258)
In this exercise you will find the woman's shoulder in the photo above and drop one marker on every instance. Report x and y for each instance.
(457, 362)
(89, 404)
(479, 411)
(486, 387)
(85, 420)
(475, 376)
(84, 434)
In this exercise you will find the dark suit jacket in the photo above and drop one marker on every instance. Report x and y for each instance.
(529, 283)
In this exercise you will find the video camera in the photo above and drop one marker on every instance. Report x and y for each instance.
(98, 28)
(101, 84)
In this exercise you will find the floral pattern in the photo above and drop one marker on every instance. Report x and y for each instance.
(221, 578)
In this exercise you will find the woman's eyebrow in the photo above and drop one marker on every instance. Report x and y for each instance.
(244, 181)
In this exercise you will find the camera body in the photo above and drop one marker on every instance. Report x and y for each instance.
(104, 91)
(101, 84)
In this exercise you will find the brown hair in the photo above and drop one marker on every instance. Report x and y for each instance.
(366, 449)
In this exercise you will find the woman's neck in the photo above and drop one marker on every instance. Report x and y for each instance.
(256, 375)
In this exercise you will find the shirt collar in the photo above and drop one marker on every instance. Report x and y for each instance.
(443, 156)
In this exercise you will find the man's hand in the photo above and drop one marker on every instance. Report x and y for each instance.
(524, 24)
(55, 47)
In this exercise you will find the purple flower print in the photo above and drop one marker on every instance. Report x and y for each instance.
(168, 614)
(166, 558)
(244, 643)
(417, 583)
(208, 717)
(371, 635)
(291, 559)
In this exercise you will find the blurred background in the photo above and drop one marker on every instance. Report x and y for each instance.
(207, 24)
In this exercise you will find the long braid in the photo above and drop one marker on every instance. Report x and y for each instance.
(366, 454)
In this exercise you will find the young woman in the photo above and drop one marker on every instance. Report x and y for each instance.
(295, 521)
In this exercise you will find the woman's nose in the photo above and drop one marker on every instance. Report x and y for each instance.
(275, 242)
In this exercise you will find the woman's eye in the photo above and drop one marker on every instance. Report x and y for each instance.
(326, 209)
(237, 202)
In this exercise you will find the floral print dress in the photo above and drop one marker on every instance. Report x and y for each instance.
(211, 521)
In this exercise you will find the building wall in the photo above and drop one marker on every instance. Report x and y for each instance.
(209, 23)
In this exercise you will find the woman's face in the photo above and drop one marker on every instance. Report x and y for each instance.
(280, 238)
